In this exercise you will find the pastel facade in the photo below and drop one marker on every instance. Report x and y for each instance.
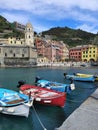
(16, 41)
(84, 53)
(75, 53)
(54, 51)
(90, 53)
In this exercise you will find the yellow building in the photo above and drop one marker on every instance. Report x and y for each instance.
(15, 41)
(90, 53)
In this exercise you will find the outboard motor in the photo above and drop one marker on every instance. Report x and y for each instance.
(65, 75)
(36, 79)
(21, 82)
(74, 74)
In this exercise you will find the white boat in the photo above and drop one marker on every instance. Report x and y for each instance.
(14, 103)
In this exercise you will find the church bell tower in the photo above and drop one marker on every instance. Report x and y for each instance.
(29, 35)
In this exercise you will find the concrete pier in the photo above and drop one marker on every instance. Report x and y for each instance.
(85, 117)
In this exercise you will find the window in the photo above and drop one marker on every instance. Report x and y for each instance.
(14, 54)
(22, 55)
(5, 54)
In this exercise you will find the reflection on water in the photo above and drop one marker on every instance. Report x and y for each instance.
(50, 116)
(8, 122)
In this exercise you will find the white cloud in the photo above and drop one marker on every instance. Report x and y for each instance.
(53, 10)
(87, 28)
(43, 6)
(82, 16)
(15, 17)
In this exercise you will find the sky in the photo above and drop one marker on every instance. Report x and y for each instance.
(46, 14)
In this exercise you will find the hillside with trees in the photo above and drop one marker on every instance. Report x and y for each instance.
(70, 36)
(8, 29)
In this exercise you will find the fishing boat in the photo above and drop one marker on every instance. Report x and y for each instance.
(44, 95)
(94, 64)
(87, 75)
(14, 103)
(55, 85)
(79, 78)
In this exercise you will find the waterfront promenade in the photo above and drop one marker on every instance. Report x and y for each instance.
(85, 117)
(62, 64)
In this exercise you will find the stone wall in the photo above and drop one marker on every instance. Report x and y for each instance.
(17, 55)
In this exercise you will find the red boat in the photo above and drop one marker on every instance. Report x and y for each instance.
(44, 95)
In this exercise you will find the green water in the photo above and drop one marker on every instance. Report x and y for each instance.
(50, 116)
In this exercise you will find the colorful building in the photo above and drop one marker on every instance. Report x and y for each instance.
(15, 41)
(54, 51)
(90, 53)
(75, 53)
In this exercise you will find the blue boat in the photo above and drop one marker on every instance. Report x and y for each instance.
(55, 85)
(79, 77)
(14, 103)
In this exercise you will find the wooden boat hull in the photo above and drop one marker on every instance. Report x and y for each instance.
(87, 75)
(20, 110)
(14, 103)
(80, 78)
(56, 86)
(44, 96)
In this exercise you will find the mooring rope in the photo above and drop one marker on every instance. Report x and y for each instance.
(38, 118)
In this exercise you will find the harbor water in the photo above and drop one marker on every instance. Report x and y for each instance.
(41, 116)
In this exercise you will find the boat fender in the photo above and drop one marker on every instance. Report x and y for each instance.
(1, 108)
(11, 110)
(72, 86)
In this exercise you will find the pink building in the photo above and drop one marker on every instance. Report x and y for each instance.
(52, 50)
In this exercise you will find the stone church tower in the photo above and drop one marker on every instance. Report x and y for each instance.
(29, 35)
